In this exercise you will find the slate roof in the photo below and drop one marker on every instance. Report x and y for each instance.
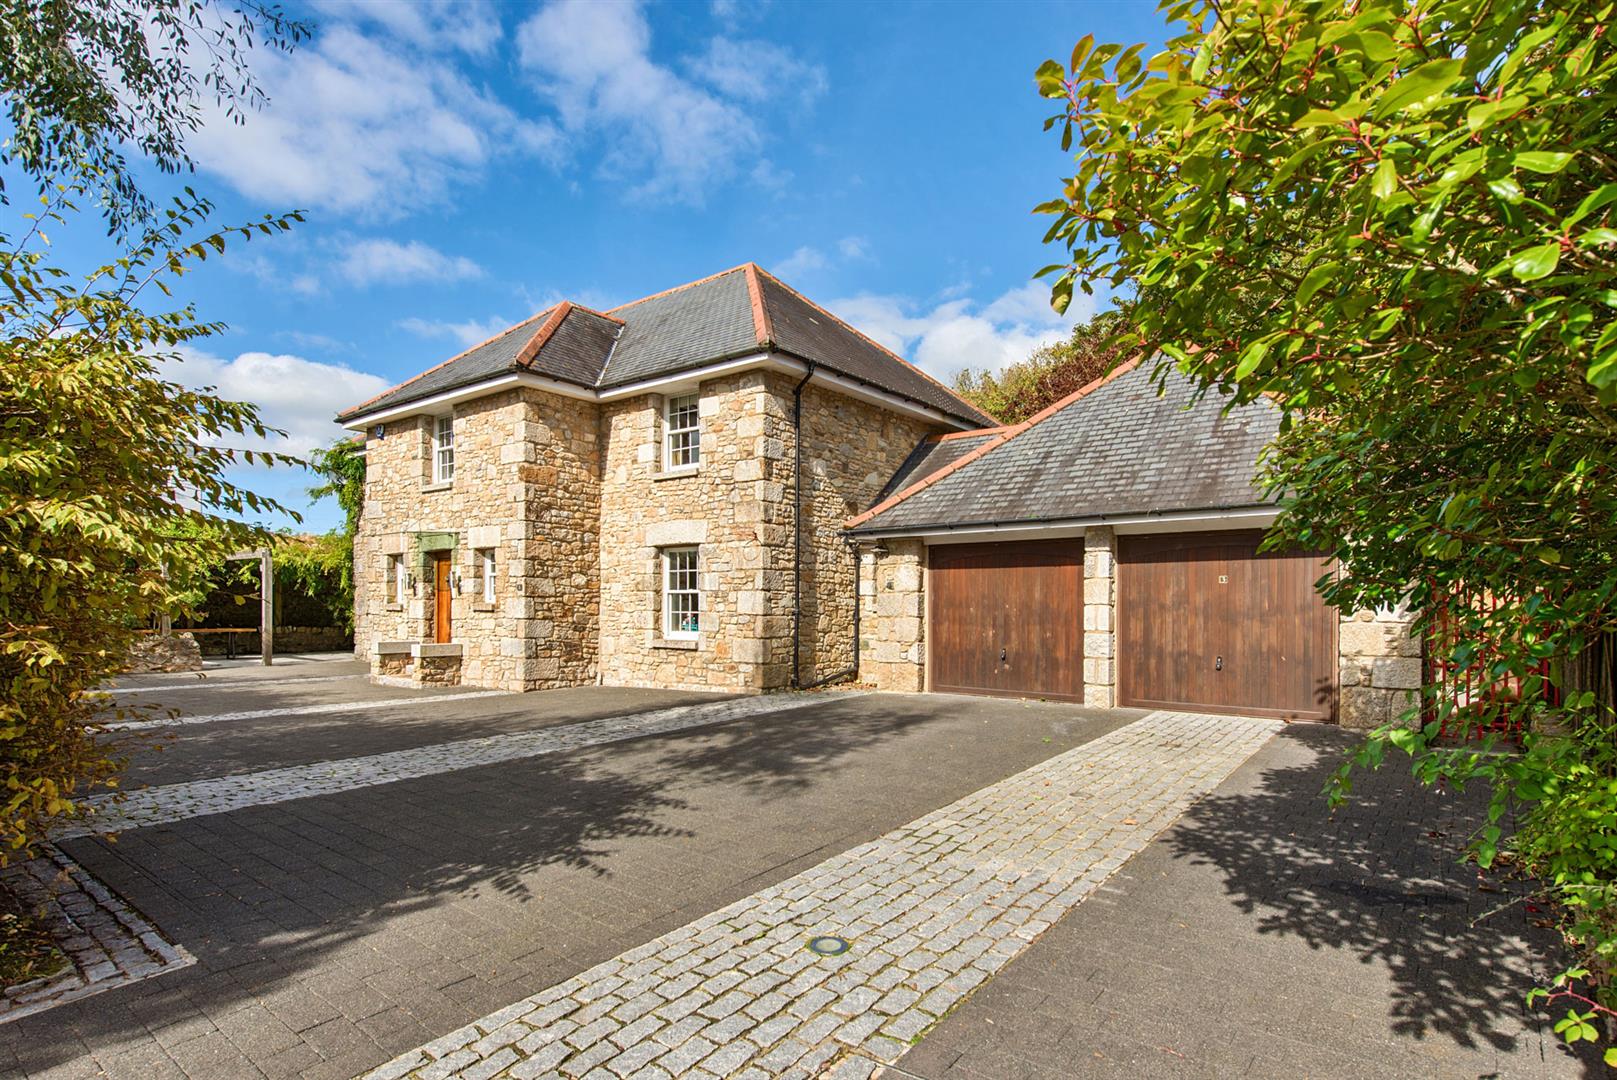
(1115, 448)
(933, 454)
(734, 313)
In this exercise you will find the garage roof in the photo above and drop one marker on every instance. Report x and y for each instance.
(1117, 447)
(732, 314)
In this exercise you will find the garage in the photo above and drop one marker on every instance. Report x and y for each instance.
(1006, 619)
(1206, 623)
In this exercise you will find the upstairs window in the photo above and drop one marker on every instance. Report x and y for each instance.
(682, 432)
(485, 569)
(443, 450)
(682, 598)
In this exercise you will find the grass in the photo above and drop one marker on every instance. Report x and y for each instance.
(27, 949)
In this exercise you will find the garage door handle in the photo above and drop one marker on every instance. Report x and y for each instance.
(1218, 663)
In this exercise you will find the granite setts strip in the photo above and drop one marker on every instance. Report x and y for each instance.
(219, 795)
(932, 910)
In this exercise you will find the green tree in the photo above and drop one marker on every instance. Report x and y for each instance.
(110, 474)
(113, 487)
(1397, 220)
(1048, 375)
(83, 80)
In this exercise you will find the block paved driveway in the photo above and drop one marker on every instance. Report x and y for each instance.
(334, 932)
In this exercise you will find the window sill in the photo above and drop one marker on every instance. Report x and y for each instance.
(675, 474)
(483, 605)
(395, 607)
(442, 485)
(687, 644)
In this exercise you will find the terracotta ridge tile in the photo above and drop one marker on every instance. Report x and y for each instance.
(760, 314)
(1007, 434)
(976, 433)
(352, 409)
(530, 352)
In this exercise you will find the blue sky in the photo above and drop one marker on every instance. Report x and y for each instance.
(463, 166)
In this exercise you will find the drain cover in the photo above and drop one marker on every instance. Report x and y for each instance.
(828, 946)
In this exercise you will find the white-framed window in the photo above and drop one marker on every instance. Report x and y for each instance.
(682, 432)
(485, 571)
(682, 594)
(397, 579)
(443, 450)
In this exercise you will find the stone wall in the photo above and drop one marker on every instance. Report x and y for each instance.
(575, 499)
(526, 483)
(1100, 617)
(892, 630)
(1380, 669)
(288, 639)
(153, 653)
(733, 507)
(850, 450)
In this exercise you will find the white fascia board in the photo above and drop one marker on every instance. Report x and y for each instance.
(438, 403)
(1126, 524)
(685, 380)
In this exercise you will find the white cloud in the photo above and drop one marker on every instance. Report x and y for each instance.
(465, 334)
(801, 261)
(471, 28)
(753, 70)
(809, 259)
(366, 262)
(296, 395)
(672, 136)
(957, 333)
(364, 124)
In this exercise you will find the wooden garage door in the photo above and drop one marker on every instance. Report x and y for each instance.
(1007, 619)
(1206, 623)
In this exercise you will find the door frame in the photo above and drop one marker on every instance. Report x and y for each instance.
(443, 597)
(1169, 541)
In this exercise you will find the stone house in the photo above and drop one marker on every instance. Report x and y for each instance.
(1105, 551)
(647, 496)
(725, 487)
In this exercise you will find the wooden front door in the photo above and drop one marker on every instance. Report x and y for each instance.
(444, 620)
(1206, 623)
(1008, 619)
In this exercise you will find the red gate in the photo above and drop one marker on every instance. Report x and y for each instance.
(1484, 702)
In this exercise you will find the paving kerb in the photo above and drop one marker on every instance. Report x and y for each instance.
(176, 802)
(933, 909)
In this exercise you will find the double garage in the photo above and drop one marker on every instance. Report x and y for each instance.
(1200, 621)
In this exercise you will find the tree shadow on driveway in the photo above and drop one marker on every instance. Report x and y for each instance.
(382, 917)
(1379, 879)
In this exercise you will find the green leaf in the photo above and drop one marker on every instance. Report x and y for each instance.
(1418, 86)
(1251, 357)
(1203, 61)
(1315, 280)
(1320, 118)
(1385, 181)
(1506, 190)
(1535, 262)
(1051, 79)
(1541, 161)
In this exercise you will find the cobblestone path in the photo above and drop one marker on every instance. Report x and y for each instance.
(303, 710)
(176, 802)
(931, 910)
